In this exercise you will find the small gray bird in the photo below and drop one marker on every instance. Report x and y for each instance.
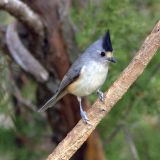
(87, 74)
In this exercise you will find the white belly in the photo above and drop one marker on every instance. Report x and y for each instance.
(91, 78)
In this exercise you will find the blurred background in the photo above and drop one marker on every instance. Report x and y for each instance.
(130, 131)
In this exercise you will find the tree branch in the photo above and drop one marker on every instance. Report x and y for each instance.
(81, 131)
(23, 57)
(23, 13)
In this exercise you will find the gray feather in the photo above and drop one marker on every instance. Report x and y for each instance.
(52, 101)
(68, 79)
(71, 76)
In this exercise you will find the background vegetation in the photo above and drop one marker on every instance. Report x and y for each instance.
(136, 116)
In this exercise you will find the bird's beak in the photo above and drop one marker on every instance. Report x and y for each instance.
(110, 57)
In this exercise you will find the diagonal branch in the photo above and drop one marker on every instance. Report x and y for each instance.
(23, 13)
(81, 131)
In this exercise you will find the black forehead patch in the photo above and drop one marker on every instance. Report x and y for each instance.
(106, 44)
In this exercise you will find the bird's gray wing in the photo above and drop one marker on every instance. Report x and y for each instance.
(70, 76)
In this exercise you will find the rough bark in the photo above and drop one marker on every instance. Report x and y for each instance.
(81, 131)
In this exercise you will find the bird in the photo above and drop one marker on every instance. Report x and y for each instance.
(86, 75)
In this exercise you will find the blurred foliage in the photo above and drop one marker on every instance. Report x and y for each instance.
(129, 23)
(16, 132)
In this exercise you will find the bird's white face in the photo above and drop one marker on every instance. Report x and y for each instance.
(103, 56)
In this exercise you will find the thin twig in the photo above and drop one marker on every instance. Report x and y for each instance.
(27, 103)
(17, 93)
(113, 134)
(23, 13)
(81, 131)
(132, 146)
(119, 125)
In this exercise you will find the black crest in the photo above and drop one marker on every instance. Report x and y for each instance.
(106, 44)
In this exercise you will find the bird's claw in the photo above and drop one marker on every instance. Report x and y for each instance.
(101, 95)
(84, 117)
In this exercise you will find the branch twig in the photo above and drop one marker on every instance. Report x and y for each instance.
(22, 56)
(81, 131)
(119, 125)
(16, 92)
(132, 146)
(23, 13)
(113, 134)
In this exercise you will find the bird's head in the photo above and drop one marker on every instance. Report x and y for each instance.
(102, 50)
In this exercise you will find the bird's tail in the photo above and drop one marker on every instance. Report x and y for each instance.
(52, 101)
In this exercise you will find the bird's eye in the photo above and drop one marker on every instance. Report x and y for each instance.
(103, 54)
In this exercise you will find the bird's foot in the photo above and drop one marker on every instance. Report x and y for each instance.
(82, 112)
(84, 116)
(101, 95)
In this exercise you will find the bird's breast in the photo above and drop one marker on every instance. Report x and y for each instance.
(92, 76)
